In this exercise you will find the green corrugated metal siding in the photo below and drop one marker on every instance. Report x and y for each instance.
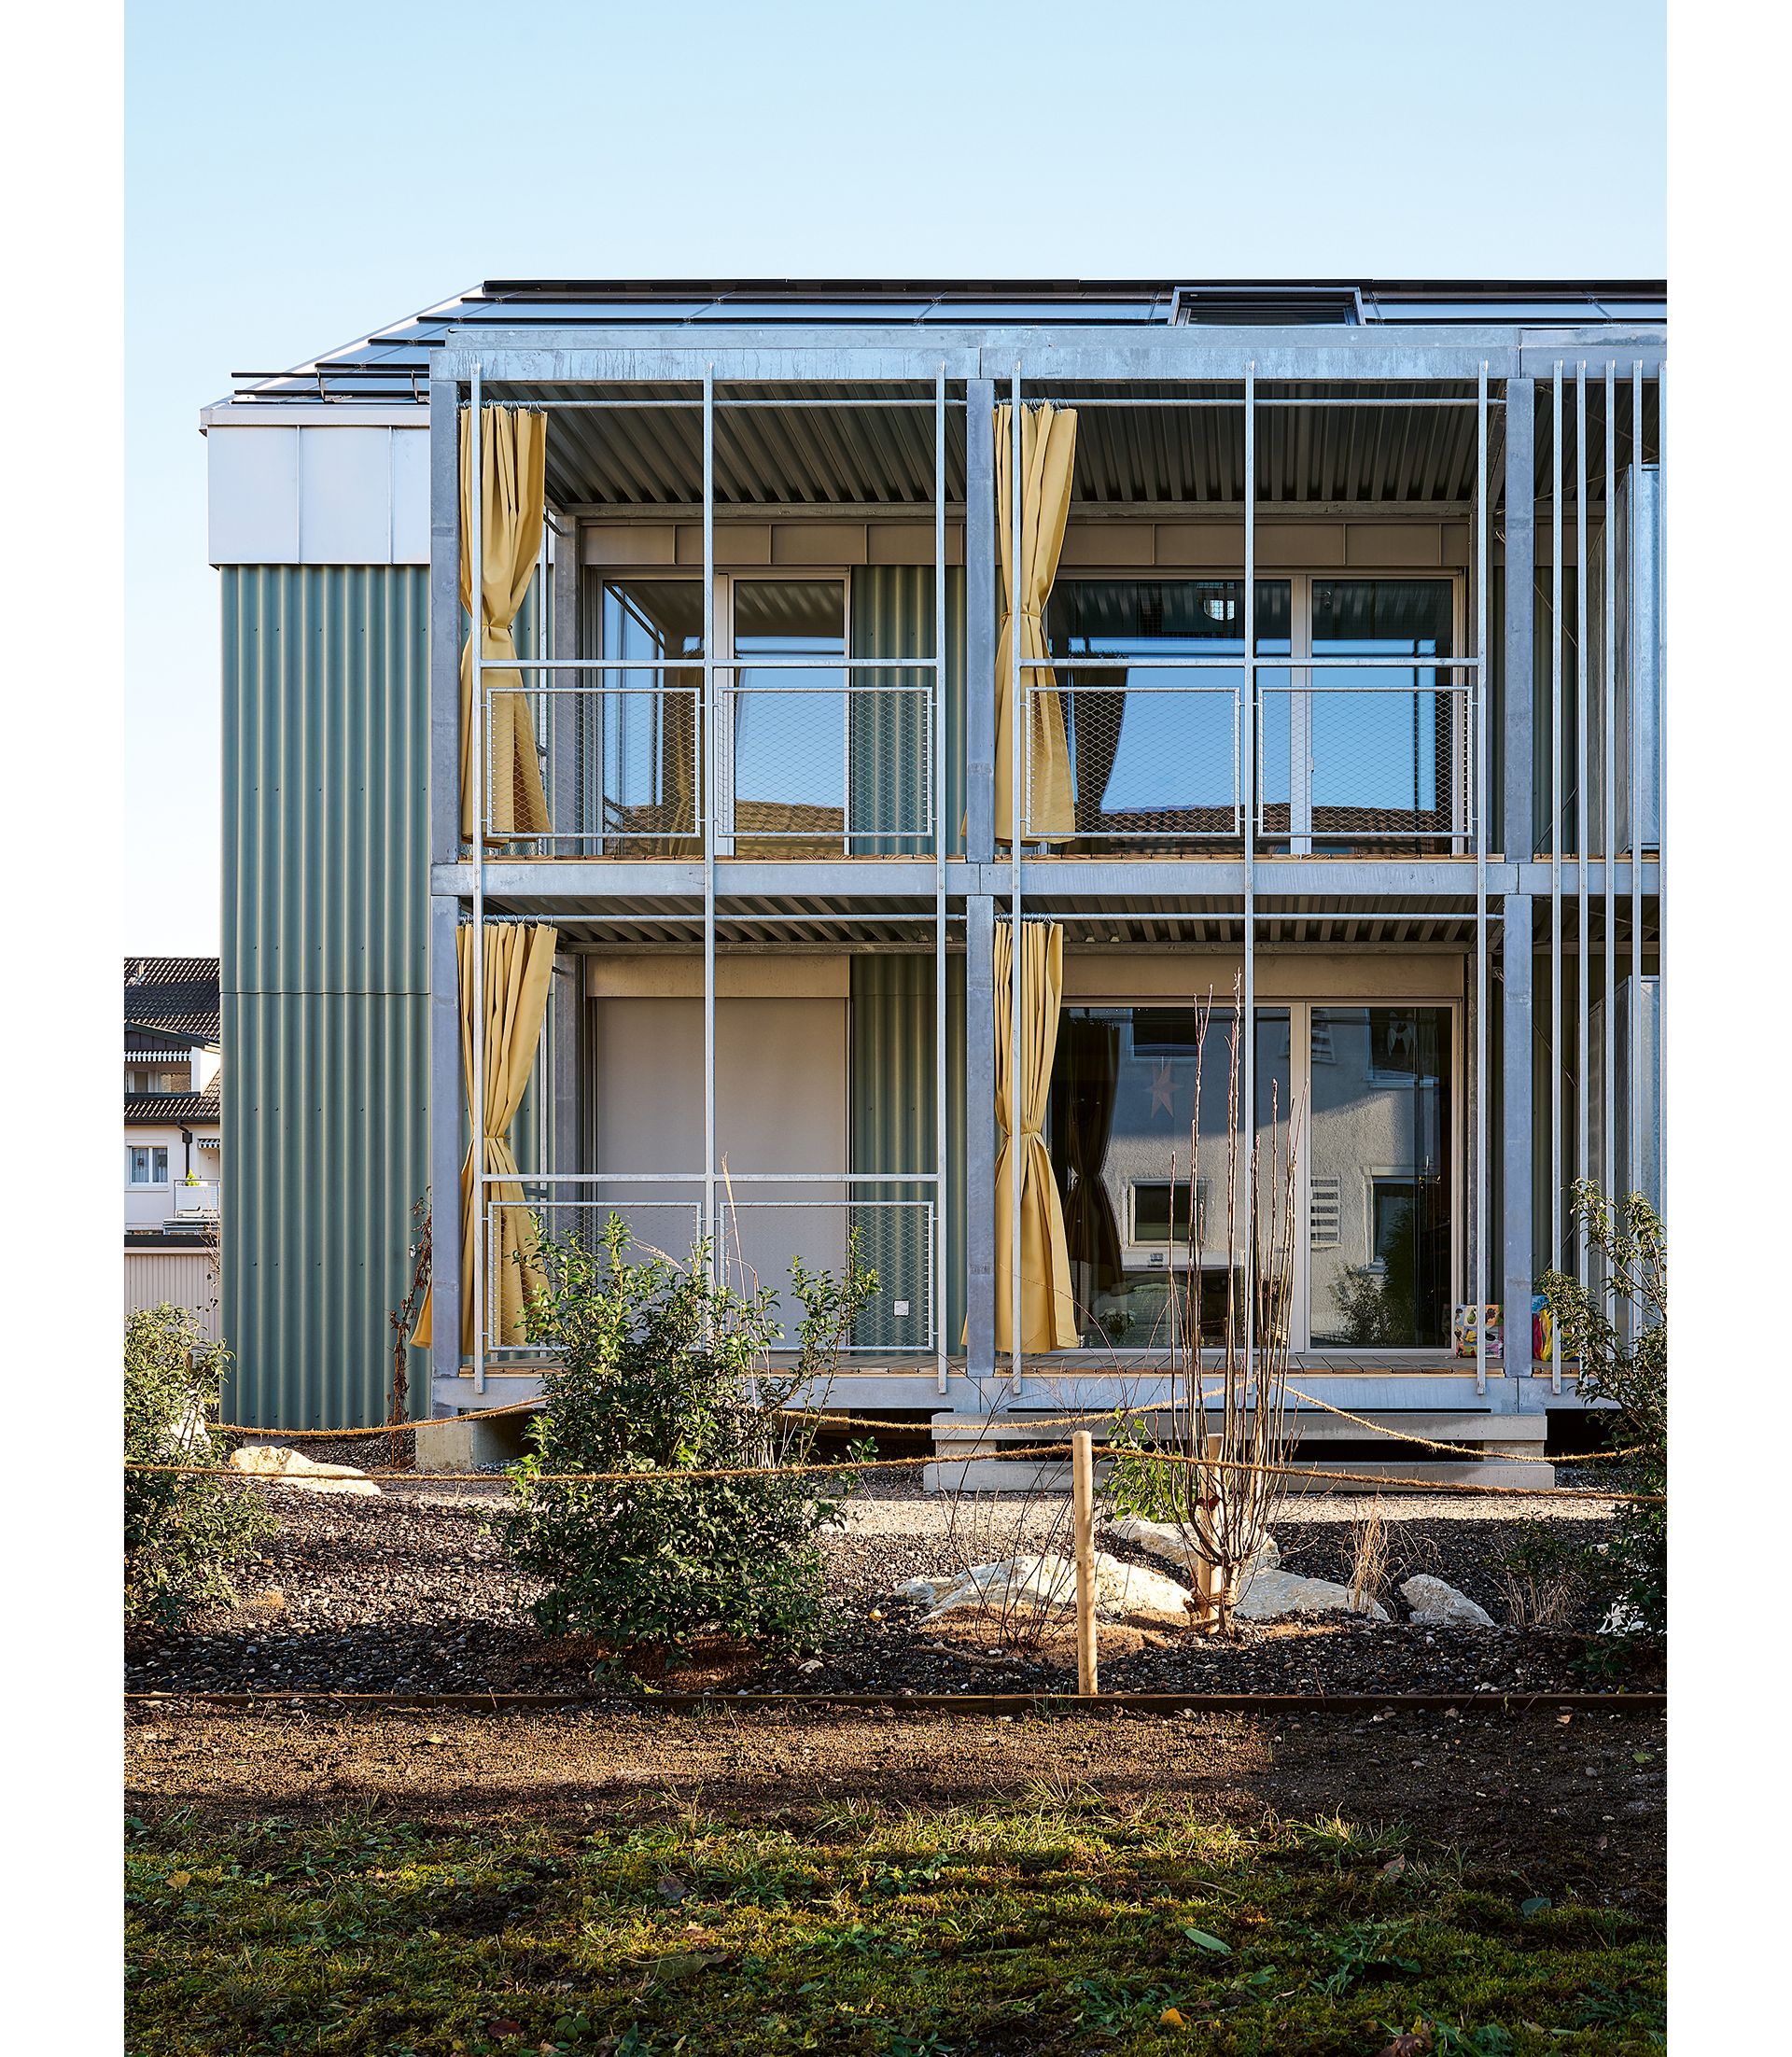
(892, 616)
(323, 980)
(891, 1101)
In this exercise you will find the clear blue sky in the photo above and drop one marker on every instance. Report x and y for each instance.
(295, 179)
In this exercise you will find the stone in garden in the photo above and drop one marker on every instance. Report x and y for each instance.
(1050, 1581)
(920, 1590)
(1272, 1591)
(293, 1468)
(1436, 1605)
(1021, 1581)
(1124, 1588)
(1165, 1539)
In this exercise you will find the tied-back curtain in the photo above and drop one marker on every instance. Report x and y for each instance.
(1043, 809)
(1047, 1310)
(512, 462)
(519, 973)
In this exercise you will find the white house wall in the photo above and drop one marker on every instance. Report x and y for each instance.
(286, 492)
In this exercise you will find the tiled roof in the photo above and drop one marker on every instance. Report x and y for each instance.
(177, 994)
(191, 1110)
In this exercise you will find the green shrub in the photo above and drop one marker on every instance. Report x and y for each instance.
(662, 1368)
(181, 1534)
(1625, 1361)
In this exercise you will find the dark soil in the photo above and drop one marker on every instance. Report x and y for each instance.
(1575, 1805)
(409, 1594)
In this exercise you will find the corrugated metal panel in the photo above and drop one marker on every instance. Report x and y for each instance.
(323, 980)
(326, 779)
(892, 1091)
(892, 616)
(172, 1277)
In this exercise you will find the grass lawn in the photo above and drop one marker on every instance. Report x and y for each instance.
(1057, 1923)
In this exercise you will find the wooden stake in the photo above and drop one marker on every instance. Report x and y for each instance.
(1082, 1527)
(1207, 1576)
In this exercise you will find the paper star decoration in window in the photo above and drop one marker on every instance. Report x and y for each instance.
(1163, 1088)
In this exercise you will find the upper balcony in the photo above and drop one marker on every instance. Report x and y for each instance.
(771, 622)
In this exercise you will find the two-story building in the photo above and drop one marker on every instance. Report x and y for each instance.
(1301, 638)
(173, 1172)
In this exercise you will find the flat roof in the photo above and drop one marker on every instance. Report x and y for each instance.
(392, 362)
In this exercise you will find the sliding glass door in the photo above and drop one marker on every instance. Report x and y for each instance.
(1138, 1129)
(1380, 1238)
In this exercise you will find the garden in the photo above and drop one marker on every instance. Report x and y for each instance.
(702, 1726)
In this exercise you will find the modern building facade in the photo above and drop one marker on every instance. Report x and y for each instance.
(1291, 648)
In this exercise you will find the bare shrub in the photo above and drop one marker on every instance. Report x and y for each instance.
(1368, 1580)
(1213, 1461)
(1543, 1577)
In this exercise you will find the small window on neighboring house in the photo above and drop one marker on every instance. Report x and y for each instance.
(149, 1165)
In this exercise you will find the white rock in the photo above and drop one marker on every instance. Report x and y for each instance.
(921, 1590)
(1122, 1588)
(1166, 1540)
(1043, 1581)
(293, 1468)
(1272, 1591)
(1436, 1605)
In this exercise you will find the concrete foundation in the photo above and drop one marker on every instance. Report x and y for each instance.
(463, 1444)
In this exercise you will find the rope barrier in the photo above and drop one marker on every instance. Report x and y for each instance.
(1029, 1453)
(845, 1421)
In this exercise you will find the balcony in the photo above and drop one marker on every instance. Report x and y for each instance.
(762, 1224)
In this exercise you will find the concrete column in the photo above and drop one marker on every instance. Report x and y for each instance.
(980, 579)
(445, 1127)
(980, 1135)
(1518, 754)
(1516, 1137)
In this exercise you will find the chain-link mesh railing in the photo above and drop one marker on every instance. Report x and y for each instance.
(1154, 764)
(827, 770)
(1358, 760)
(763, 1228)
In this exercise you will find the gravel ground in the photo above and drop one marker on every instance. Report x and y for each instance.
(412, 1592)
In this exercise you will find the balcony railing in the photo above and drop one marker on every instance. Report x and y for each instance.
(1342, 762)
(761, 1222)
(842, 767)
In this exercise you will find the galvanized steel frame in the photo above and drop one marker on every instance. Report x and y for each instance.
(1043, 369)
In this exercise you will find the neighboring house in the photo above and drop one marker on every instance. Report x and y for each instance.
(736, 850)
(173, 1168)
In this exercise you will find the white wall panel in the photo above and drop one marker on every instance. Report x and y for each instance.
(345, 496)
(253, 496)
(340, 492)
(410, 495)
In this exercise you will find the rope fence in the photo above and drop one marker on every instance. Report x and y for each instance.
(1031, 1453)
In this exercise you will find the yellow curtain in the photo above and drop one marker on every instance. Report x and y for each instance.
(519, 971)
(1047, 1312)
(1047, 460)
(512, 461)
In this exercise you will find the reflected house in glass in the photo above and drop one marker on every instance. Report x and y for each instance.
(1411, 810)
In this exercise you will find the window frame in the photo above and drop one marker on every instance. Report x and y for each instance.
(1299, 666)
(1300, 1036)
(152, 1151)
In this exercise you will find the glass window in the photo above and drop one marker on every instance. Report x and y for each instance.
(1154, 748)
(1381, 735)
(1143, 1169)
(1380, 1245)
(147, 1165)
(789, 726)
(640, 729)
